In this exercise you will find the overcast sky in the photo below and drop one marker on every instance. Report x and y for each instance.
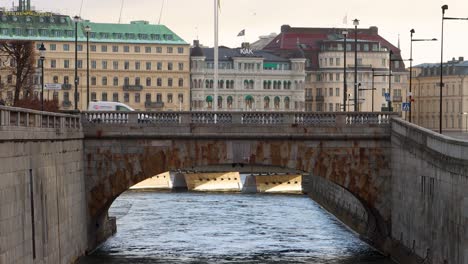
(192, 18)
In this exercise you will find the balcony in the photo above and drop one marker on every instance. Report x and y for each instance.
(128, 87)
(309, 98)
(397, 98)
(66, 104)
(319, 98)
(66, 86)
(154, 105)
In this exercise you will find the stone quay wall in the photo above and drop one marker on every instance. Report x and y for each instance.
(42, 187)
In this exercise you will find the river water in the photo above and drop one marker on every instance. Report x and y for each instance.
(186, 227)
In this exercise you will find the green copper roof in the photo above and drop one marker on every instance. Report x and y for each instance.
(51, 27)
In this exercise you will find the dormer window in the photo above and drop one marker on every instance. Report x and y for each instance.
(52, 20)
(4, 18)
(28, 19)
(14, 18)
(41, 19)
(62, 20)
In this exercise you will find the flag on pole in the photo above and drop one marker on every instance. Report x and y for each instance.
(242, 33)
(345, 19)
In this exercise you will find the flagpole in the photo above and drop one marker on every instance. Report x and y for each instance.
(216, 57)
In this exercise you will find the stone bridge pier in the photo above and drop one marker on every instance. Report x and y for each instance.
(346, 164)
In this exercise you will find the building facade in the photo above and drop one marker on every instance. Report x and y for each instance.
(145, 66)
(426, 91)
(249, 80)
(324, 50)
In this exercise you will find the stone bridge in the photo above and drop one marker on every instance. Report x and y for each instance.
(401, 187)
(349, 150)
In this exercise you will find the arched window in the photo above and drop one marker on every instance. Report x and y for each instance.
(104, 81)
(137, 81)
(200, 83)
(126, 81)
(229, 102)
(249, 102)
(265, 85)
(286, 103)
(221, 84)
(279, 85)
(274, 85)
(209, 101)
(277, 103)
(159, 82)
(251, 84)
(115, 81)
(211, 83)
(266, 102)
(207, 84)
(148, 81)
(220, 102)
(93, 80)
(246, 84)
(232, 84)
(181, 82)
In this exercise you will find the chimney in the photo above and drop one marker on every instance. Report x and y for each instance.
(245, 45)
(196, 43)
(461, 59)
(374, 30)
(285, 28)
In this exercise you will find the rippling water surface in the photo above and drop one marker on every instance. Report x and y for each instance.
(154, 227)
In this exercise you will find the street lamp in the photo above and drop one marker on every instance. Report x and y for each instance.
(42, 50)
(441, 84)
(345, 88)
(411, 67)
(76, 19)
(356, 24)
(87, 30)
(372, 88)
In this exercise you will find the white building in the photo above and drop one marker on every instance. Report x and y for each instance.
(249, 80)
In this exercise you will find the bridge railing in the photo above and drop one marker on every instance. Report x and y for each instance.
(241, 118)
(20, 117)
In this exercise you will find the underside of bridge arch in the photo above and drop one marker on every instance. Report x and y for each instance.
(360, 167)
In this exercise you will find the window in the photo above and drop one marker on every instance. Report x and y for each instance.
(181, 66)
(137, 49)
(181, 82)
(159, 66)
(337, 77)
(158, 97)
(148, 81)
(137, 98)
(66, 97)
(338, 61)
(93, 64)
(180, 50)
(104, 81)
(359, 61)
(93, 96)
(148, 66)
(148, 97)
(115, 97)
(397, 78)
(55, 79)
(331, 62)
(169, 49)
(93, 80)
(137, 65)
(104, 96)
(65, 80)
(80, 64)
(104, 65)
(147, 49)
(169, 66)
(158, 49)
(137, 81)
(53, 63)
(181, 98)
(159, 82)
(126, 81)
(53, 47)
(115, 65)
(79, 47)
(115, 81)
(66, 47)
(169, 98)
(126, 49)
(126, 97)
(169, 82)
(115, 48)
(330, 91)
(126, 65)
(103, 48)
(66, 64)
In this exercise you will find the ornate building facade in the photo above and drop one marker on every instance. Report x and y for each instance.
(249, 80)
(145, 66)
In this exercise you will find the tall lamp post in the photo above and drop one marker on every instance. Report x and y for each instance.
(345, 88)
(87, 30)
(356, 24)
(76, 19)
(441, 84)
(42, 51)
(411, 67)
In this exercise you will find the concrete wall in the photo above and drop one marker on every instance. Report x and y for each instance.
(430, 194)
(42, 190)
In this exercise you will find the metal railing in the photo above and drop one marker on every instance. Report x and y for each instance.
(240, 118)
(20, 117)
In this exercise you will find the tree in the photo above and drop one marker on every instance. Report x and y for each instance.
(21, 55)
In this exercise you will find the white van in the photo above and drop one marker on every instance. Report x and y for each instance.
(109, 106)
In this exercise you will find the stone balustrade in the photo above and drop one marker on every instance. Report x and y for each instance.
(241, 118)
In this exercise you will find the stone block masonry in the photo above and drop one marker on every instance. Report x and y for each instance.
(42, 188)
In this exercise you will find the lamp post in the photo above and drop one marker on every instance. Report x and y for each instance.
(441, 84)
(390, 81)
(372, 88)
(87, 30)
(345, 88)
(76, 19)
(356, 24)
(411, 67)
(42, 51)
